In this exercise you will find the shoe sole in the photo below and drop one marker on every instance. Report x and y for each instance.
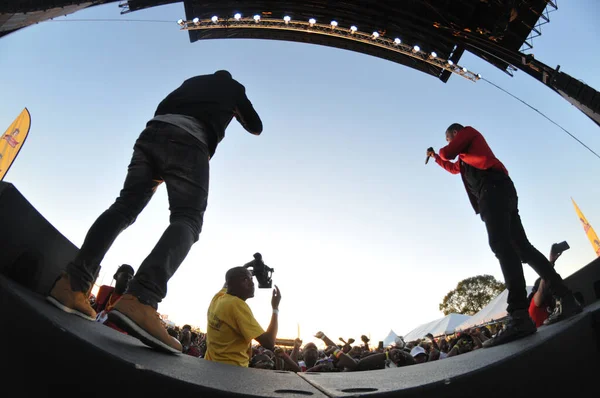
(66, 309)
(132, 328)
(577, 312)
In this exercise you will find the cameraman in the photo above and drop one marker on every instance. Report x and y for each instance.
(231, 324)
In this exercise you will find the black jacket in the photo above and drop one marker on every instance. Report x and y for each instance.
(214, 100)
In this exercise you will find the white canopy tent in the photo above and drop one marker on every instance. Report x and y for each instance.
(390, 339)
(438, 327)
(494, 311)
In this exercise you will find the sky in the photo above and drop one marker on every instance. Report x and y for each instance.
(363, 236)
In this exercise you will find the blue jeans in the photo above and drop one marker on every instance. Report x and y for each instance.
(162, 152)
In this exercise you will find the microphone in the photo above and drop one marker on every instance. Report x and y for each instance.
(427, 158)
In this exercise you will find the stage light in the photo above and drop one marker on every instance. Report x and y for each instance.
(464, 70)
(397, 41)
(416, 49)
(375, 35)
(238, 16)
(450, 62)
(196, 21)
(287, 19)
(334, 24)
(478, 76)
(180, 22)
(433, 54)
(312, 21)
(215, 19)
(257, 18)
(353, 28)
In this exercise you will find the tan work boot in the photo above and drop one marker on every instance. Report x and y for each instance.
(77, 303)
(142, 321)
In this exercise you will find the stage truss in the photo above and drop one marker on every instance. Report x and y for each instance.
(331, 29)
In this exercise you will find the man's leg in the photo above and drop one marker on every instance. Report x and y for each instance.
(186, 175)
(566, 304)
(138, 188)
(497, 208)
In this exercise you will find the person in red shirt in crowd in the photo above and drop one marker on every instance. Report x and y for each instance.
(493, 196)
(109, 295)
(541, 301)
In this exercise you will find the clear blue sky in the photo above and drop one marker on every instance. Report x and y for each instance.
(335, 194)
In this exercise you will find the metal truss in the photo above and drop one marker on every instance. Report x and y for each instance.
(536, 31)
(331, 29)
(124, 6)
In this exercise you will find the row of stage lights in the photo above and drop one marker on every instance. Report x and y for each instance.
(334, 24)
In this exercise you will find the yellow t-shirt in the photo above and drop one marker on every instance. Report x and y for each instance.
(230, 331)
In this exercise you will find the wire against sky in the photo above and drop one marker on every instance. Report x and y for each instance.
(552, 121)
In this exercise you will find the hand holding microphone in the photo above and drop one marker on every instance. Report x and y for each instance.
(430, 154)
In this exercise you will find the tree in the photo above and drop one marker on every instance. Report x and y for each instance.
(471, 295)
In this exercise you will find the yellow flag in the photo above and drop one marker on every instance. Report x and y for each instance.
(589, 231)
(12, 141)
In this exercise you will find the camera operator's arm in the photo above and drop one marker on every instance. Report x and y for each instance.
(326, 340)
(267, 339)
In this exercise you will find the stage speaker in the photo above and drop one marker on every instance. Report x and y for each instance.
(585, 283)
(32, 251)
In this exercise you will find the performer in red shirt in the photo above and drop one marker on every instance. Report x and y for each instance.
(494, 197)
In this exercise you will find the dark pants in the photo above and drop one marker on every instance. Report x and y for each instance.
(498, 205)
(161, 153)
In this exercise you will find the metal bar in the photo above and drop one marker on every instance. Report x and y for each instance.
(373, 39)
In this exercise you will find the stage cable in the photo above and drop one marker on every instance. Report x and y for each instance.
(551, 121)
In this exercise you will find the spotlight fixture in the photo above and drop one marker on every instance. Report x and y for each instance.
(180, 22)
(416, 49)
(312, 21)
(256, 18)
(397, 41)
(287, 19)
(215, 19)
(196, 21)
(238, 16)
(433, 54)
(353, 28)
(375, 35)
(334, 24)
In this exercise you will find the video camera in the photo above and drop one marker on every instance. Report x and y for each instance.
(261, 271)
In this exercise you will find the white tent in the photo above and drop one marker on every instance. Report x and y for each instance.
(495, 310)
(390, 339)
(445, 325)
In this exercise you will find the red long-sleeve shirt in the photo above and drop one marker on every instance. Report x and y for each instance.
(470, 147)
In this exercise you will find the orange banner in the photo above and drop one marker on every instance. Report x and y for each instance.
(12, 141)
(589, 231)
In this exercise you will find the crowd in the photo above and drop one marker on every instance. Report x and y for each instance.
(343, 356)
(346, 355)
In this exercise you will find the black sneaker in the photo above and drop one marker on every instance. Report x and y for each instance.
(565, 308)
(518, 327)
